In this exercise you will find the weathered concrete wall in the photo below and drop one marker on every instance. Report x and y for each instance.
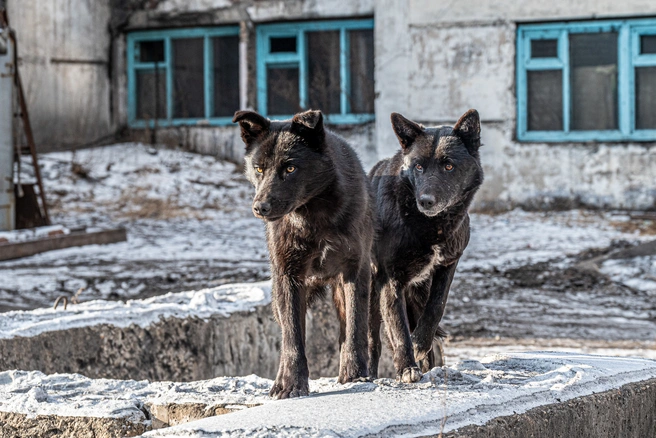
(627, 412)
(224, 141)
(436, 60)
(179, 349)
(64, 49)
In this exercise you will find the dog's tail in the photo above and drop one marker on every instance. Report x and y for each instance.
(440, 333)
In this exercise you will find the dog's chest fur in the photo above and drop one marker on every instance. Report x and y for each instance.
(319, 251)
(426, 265)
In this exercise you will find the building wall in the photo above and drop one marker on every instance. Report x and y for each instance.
(64, 49)
(435, 60)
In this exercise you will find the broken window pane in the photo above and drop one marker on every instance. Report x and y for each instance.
(645, 89)
(323, 71)
(151, 51)
(151, 94)
(188, 78)
(545, 100)
(593, 63)
(648, 44)
(544, 48)
(282, 91)
(226, 76)
(362, 71)
(282, 44)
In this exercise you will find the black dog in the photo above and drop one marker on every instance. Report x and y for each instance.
(423, 194)
(316, 200)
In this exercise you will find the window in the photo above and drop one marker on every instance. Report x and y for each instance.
(327, 65)
(183, 76)
(589, 81)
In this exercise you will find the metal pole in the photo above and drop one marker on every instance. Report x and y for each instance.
(7, 196)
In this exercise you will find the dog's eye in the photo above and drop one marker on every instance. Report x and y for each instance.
(259, 170)
(419, 167)
(449, 167)
(290, 169)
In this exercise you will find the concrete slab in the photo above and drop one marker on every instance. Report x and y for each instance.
(470, 393)
(541, 394)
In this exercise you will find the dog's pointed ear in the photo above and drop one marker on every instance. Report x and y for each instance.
(406, 130)
(253, 126)
(468, 128)
(309, 124)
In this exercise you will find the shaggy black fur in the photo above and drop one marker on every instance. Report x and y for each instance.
(422, 196)
(316, 200)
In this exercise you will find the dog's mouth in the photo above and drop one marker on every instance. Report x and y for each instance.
(268, 218)
(433, 211)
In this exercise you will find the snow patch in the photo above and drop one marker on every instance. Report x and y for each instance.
(222, 300)
(637, 273)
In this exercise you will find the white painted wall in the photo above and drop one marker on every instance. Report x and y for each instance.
(68, 97)
(435, 60)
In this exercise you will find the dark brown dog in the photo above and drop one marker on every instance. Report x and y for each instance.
(315, 198)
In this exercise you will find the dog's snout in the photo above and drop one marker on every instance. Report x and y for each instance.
(262, 208)
(427, 201)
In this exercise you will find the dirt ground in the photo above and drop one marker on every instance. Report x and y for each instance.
(525, 276)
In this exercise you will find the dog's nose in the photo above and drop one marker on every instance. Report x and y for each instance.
(427, 201)
(262, 208)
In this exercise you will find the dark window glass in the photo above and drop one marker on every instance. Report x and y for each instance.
(645, 88)
(188, 78)
(648, 44)
(544, 48)
(226, 75)
(593, 82)
(282, 91)
(362, 71)
(151, 51)
(545, 100)
(282, 44)
(151, 94)
(323, 71)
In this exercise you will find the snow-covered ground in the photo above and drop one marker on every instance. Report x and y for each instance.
(72, 395)
(188, 218)
(470, 392)
(190, 227)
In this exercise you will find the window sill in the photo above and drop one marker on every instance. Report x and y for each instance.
(165, 123)
(586, 136)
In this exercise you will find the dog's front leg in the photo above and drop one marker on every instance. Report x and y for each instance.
(398, 331)
(289, 300)
(353, 354)
(428, 324)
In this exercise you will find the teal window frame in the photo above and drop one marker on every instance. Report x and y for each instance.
(629, 57)
(167, 35)
(299, 29)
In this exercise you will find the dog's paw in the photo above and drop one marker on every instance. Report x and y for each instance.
(352, 372)
(421, 348)
(289, 388)
(424, 365)
(409, 375)
(351, 366)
